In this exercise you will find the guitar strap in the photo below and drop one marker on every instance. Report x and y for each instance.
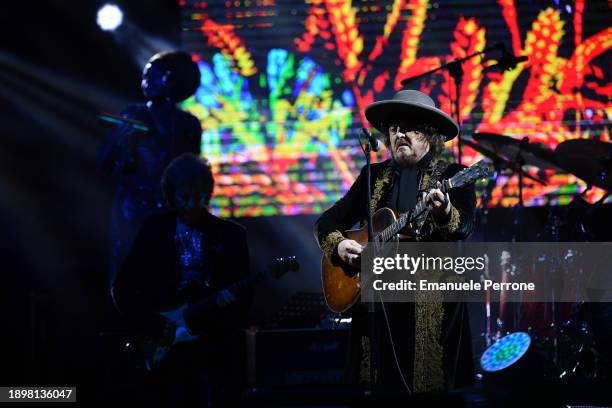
(424, 224)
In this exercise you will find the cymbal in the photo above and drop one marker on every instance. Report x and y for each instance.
(589, 160)
(500, 161)
(533, 154)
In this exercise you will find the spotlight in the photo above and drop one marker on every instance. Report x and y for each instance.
(513, 373)
(507, 351)
(109, 17)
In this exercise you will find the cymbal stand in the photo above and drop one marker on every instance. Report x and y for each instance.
(519, 207)
(484, 212)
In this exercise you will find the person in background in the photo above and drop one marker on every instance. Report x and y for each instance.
(137, 159)
(184, 261)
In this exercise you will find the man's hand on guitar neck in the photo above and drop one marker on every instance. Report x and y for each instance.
(350, 251)
(438, 203)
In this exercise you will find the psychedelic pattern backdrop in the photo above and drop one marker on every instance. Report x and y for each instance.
(284, 85)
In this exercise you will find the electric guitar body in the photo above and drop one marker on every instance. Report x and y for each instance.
(148, 353)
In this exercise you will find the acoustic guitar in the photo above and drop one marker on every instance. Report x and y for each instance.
(341, 283)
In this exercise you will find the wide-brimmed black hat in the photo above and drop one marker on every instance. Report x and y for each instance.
(414, 106)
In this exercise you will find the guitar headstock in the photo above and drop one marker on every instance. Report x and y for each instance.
(470, 174)
(280, 266)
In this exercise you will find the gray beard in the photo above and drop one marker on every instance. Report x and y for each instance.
(403, 160)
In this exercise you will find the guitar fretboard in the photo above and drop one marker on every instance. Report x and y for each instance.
(462, 178)
(247, 282)
(388, 233)
(276, 269)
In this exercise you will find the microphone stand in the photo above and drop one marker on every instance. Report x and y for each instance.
(455, 70)
(518, 218)
(366, 147)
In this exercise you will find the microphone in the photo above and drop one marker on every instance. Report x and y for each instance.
(507, 61)
(372, 140)
(112, 119)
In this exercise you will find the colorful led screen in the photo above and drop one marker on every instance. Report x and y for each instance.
(284, 85)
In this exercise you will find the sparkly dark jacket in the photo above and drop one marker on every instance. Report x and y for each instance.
(148, 280)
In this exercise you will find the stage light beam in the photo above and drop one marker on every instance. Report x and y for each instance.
(109, 17)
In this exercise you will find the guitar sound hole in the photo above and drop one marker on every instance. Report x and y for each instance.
(350, 271)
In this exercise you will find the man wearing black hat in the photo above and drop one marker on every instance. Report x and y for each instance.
(431, 340)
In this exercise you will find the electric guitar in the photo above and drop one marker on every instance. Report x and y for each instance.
(341, 283)
(152, 352)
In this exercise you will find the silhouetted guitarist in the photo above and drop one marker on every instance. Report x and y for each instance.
(187, 256)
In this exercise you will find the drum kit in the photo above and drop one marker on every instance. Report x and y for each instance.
(559, 332)
(589, 160)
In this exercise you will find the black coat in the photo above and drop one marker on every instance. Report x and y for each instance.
(149, 277)
(351, 209)
(452, 351)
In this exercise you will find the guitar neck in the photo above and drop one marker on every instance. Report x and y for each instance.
(275, 269)
(247, 282)
(407, 218)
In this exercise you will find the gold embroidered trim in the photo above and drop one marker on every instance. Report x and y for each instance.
(428, 181)
(428, 370)
(379, 185)
(424, 184)
(364, 366)
(431, 176)
(452, 224)
(329, 243)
